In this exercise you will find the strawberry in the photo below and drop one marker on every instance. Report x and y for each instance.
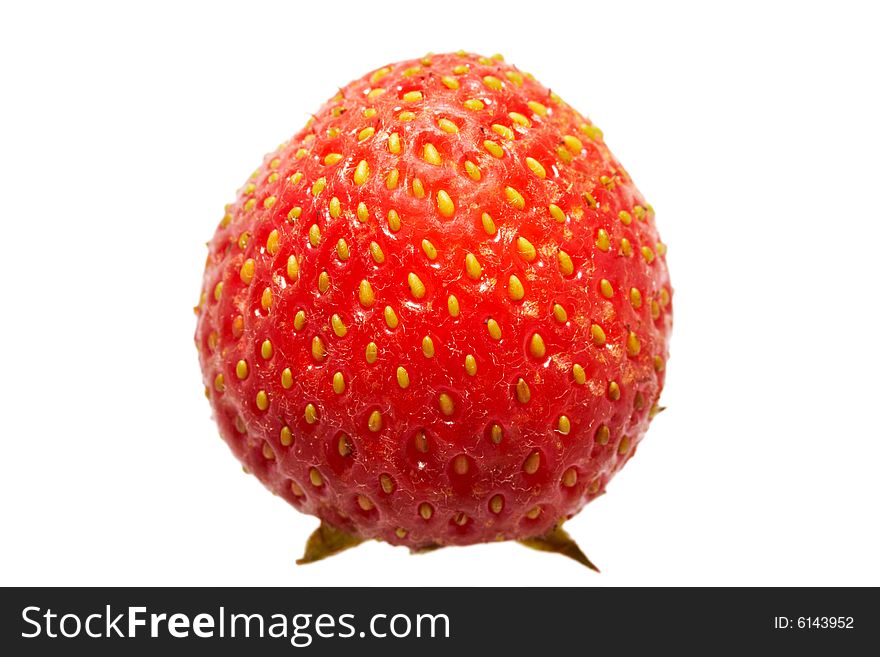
(439, 314)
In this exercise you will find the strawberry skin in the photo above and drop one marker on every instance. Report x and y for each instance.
(440, 313)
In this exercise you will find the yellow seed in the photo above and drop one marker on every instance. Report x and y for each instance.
(597, 334)
(532, 463)
(449, 82)
(536, 346)
(474, 104)
(394, 143)
(445, 204)
(332, 158)
(603, 435)
(525, 249)
(572, 143)
(536, 167)
(371, 353)
(493, 83)
(461, 465)
(402, 377)
(470, 364)
(416, 287)
(323, 282)
(390, 317)
(243, 240)
(494, 329)
(412, 96)
(366, 133)
(563, 154)
(488, 223)
(273, 177)
(569, 478)
(452, 305)
(523, 394)
(262, 400)
(342, 249)
(250, 205)
(241, 370)
(564, 425)
(659, 364)
(400, 532)
(661, 249)
(319, 186)
(406, 116)
(579, 374)
(392, 179)
(605, 288)
(393, 221)
(299, 320)
(218, 291)
(625, 247)
(338, 325)
(387, 483)
(446, 125)
(275, 163)
(519, 119)
(292, 268)
(418, 189)
(272, 242)
(376, 253)
(318, 351)
(566, 266)
(472, 266)
(314, 235)
(496, 504)
(633, 345)
(635, 297)
(266, 299)
(493, 148)
(472, 170)
(213, 340)
(429, 249)
(338, 383)
(603, 241)
(379, 74)
(365, 294)
(267, 452)
(374, 423)
(639, 212)
(431, 155)
(664, 297)
(375, 93)
(294, 213)
(613, 391)
(514, 77)
(426, 510)
(533, 513)
(624, 217)
(607, 183)
(219, 383)
(269, 201)
(362, 212)
(461, 69)
(559, 314)
(296, 178)
(496, 434)
(316, 478)
(515, 288)
(286, 378)
(428, 347)
(623, 448)
(447, 405)
(361, 172)
(286, 436)
(647, 254)
(246, 273)
(537, 108)
(503, 131)
(266, 349)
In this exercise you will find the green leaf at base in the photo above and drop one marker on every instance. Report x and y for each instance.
(558, 540)
(326, 541)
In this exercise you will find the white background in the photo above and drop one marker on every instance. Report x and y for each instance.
(754, 130)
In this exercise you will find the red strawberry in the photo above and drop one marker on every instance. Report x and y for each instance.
(439, 314)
